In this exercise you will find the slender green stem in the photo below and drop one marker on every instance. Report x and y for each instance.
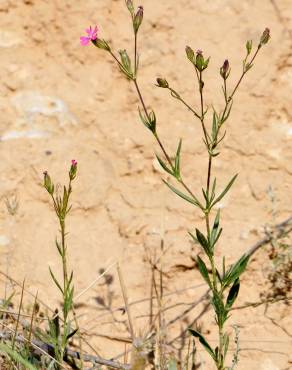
(178, 97)
(209, 173)
(243, 74)
(64, 258)
(141, 99)
(225, 91)
(115, 58)
(135, 54)
(167, 157)
(237, 85)
(201, 86)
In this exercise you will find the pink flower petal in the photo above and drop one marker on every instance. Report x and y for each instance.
(84, 40)
(91, 35)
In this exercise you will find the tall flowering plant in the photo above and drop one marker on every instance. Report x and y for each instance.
(223, 281)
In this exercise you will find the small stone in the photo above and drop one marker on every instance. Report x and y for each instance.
(31, 134)
(269, 365)
(4, 240)
(34, 103)
(9, 39)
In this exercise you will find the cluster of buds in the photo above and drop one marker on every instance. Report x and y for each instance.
(48, 184)
(136, 18)
(197, 59)
(225, 70)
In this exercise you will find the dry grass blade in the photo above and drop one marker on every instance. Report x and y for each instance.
(32, 320)
(18, 316)
(283, 228)
(26, 291)
(94, 282)
(125, 296)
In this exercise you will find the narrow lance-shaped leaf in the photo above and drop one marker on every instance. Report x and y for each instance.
(225, 190)
(218, 304)
(215, 228)
(70, 278)
(214, 126)
(182, 195)
(206, 197)
(204, 271)
(232, 295)
(59, 247)
(225, 118)
(235, 270)
(55, 280)
(219, 276)
(144, 119)
(71, 334)
(197, 242)
(218, 236)
(225, 344)
(213, 190)
(203, 342)
(164, 166)
(177, 160)
(152, 121)
(204, 242)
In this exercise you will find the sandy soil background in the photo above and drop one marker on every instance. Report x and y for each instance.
(60, 101)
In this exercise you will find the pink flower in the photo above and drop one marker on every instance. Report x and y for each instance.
(91, 35)
(74, 162)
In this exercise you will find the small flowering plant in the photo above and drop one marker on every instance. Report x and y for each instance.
(223, 281)
(57, 338)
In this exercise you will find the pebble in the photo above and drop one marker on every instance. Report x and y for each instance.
(4, 241)
(32, 134)
(32, 103)
(9, 39)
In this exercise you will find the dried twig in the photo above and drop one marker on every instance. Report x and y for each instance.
(281, 230)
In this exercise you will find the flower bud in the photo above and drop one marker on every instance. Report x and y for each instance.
(248, 46)
(225, 70)
(199, 59)
(73, 170)
(200, 62)
(49, 186)
(130, 6)
(125, 58)
(161, 82)
(138, 19)
(101, 44)
(126, 67)
(265, 37)
(190, 53)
